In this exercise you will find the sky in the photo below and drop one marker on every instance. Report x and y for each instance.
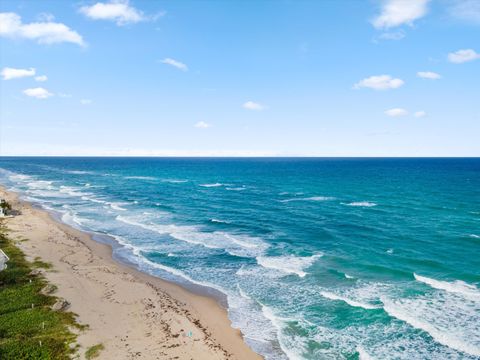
(240, 78)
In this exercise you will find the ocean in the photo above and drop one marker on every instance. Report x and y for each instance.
(316, 258)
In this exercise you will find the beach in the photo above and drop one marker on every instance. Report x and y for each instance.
(134, 315)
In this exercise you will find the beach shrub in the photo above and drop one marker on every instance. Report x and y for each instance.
(93, 351)
(29, 329)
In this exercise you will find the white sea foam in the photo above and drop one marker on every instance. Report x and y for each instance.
(236, 188)
(447, 320)
(362, 204)
(92, 199)
(349, 276)
(237, 245)
(71, 219)
(350, 302)
(181, 274)
(475, 236)
(362, 354)
(140, 178)
(279, 323)
(219, 221)
(312, 198)
(174, 181)
(72, 191)
(289, 264)
(211, 185)
(459, 287)
(18, 177)
(116, 206)
(40, 184)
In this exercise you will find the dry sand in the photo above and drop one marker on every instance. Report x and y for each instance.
(134, 315)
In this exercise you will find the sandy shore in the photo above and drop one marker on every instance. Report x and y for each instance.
(134, 315)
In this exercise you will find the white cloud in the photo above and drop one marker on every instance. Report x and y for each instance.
(119, 11)
(12, 73)
(45, 32)
(463, 55)
(467, 10)
(41, 78)
(202, 125)
(172, 62)
(39, 93)
(63, 95)
(399, 12)
(250, 105)
(396, 112)
(379, 82)
(429, 75)
(420, 114)
(86, 101)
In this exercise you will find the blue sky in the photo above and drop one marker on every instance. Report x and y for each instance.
(240, 78)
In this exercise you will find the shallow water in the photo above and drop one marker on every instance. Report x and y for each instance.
(318, 258)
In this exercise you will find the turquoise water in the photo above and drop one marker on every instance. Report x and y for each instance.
(317, 258)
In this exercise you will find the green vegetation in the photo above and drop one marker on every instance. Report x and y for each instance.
(29, 329)
(38, 263)
(94, 351)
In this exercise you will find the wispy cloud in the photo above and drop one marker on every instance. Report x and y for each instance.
(12, 73)
(202, 125)
(429, 75)
(39, 93)
(44, 32)
(86, 101)
(395, 13)
(420, 114)
(396, 112)
(392, 35)
(119, 11)
(379, 82)
(41, 78)
(466, 10)
(462, 56)
(175, 63)
(251, 105)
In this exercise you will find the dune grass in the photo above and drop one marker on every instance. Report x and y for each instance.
(93, 351)
(29, 329)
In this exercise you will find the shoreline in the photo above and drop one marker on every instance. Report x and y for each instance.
(165, 319)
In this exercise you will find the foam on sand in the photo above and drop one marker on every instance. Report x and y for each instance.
(288, 264)
(350, 302)
(459, 287)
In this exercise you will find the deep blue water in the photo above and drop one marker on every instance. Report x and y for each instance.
(318, 258)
